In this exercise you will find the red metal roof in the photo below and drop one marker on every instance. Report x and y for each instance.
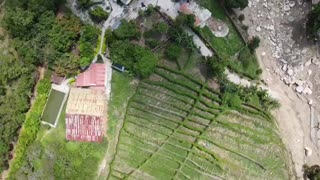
(93, 76)
(84, 128)
(184, 8)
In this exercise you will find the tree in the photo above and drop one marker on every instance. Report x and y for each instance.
(98, 14)
(313, 23)
(254, 43)
(139, 60)
(173, 52)
(313, 172)
(160, 27)
(127, 30)
(185, 19)
(19, 21)
(236, 4)
(85, 3)
(67, 65)
(217, 67)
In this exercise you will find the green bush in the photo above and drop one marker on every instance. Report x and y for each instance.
(98, 14)
(173, 52)
(232, 100)
(152, 43)
(254, 43)
(139, 60)
(31, 125)
(127, 30)
(313, 23)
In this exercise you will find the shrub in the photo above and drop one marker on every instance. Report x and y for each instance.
(152, 43)
(127, 30)
(254, 43)
(217, 67)
(236, 4)
(241, 17)
(173, 52)
(313, 23)
(85, 3)
(160, 27)
(98, 14)
(313, 172)
(231, 99)
(139, 60)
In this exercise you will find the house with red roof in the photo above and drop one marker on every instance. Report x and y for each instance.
(94, 76)
(201, 14)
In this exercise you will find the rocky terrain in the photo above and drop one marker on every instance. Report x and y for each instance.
(291, 67)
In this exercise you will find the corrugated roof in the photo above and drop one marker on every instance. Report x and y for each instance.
(84, 128)
(86, 101)
(86, 114)
(94, 76)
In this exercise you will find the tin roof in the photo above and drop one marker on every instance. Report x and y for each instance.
(84, 128)
(85, 114)
(94, 76)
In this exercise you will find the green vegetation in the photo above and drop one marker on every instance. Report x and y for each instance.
(98, 14)
(41, 36)
(173, 51)
(85, 4)
(313, 172)
(31, 126)
(127, 30)
(52, 108)
(313, 23)
(88, 42)
(236, 4)
(229, 47)
(139, 60)
(122, 91)
(177, 127)
(51, 156)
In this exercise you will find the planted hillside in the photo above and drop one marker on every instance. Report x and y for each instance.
(177, 127)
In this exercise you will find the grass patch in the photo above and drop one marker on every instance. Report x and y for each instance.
(53, 105)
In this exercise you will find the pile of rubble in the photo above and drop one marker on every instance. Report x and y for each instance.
(276, 21)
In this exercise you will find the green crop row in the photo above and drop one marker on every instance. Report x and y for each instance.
(174, 95)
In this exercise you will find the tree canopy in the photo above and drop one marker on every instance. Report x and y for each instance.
(236, 3)
(139, 60)
(98, 14)
(313, 23)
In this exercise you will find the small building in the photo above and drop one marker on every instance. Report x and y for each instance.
(57, 79)
(86, 115)
(94, 76)
(118, 67)
(201, 15)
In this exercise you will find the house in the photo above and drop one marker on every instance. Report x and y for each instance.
(201, 15)
(57, 79)
(86, 115)
(94, 76)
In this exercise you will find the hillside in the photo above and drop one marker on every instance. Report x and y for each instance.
(178, 128)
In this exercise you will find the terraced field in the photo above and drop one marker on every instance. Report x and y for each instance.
(178, 128)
